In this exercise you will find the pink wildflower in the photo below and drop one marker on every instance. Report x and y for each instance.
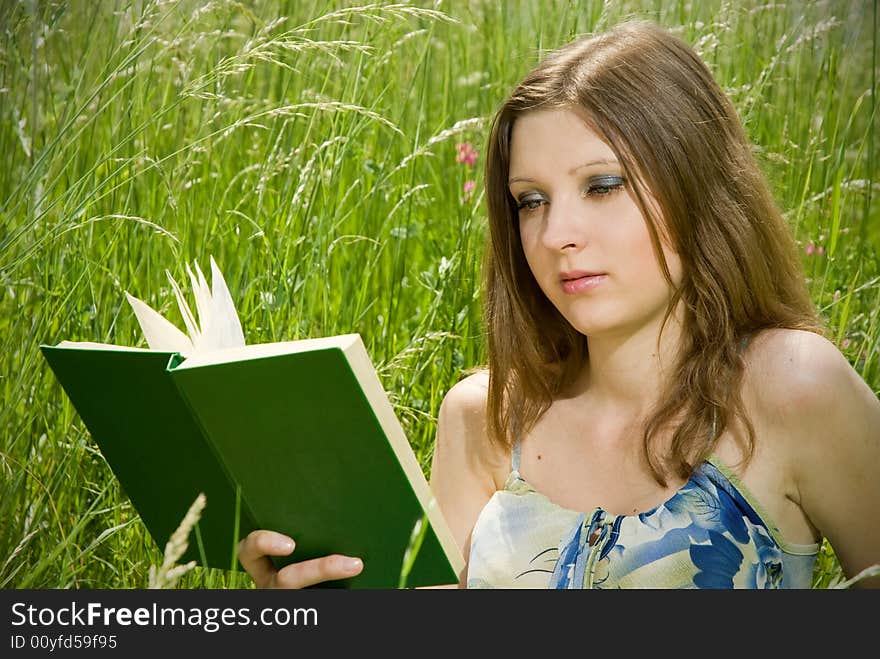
(467, 154)
(820, 250)
(468, 190)
(845, 343)
(811, 248)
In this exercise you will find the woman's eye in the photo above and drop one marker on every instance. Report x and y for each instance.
(603, 190)
(530, 203)
(604, 186)
(596, 187)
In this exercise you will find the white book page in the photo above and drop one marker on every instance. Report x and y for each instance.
(89, 345)
(260, 350)
(159, 333)
(216, 328)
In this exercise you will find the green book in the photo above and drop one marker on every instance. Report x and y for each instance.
(297, 437)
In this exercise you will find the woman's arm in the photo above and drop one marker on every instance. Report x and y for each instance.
(833, 421)
(461, 475)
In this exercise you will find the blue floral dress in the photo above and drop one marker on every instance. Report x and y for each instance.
(712, 533)
(707, 535)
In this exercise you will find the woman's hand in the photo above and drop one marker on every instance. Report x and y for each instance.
(254, 552)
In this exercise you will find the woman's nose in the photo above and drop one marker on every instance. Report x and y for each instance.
(565, 223)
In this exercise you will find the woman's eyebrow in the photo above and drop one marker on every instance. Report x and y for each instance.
(591, 163)
(602, 161)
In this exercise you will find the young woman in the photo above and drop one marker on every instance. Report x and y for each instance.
(661, 407)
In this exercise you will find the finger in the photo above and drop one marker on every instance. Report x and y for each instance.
(254, 551)
(317, 570)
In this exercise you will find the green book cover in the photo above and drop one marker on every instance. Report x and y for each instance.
(152, 443)
(303, 428)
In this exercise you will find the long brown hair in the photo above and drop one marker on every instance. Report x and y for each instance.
(657, 106)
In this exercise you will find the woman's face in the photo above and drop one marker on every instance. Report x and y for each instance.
(578, 215)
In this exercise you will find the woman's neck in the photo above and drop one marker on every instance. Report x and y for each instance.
(626, 371)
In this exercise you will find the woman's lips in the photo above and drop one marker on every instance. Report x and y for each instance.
(581, 284)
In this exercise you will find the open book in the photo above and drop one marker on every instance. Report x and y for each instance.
(297, 437)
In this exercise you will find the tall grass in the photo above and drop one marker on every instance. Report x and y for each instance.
(310, 147)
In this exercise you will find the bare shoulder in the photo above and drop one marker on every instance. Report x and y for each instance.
(788, 370)
(462, 420)
(791, 382)
(468, 397)
(826, 424)
(462, 470)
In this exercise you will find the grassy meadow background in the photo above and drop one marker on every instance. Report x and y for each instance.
(313, 149)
